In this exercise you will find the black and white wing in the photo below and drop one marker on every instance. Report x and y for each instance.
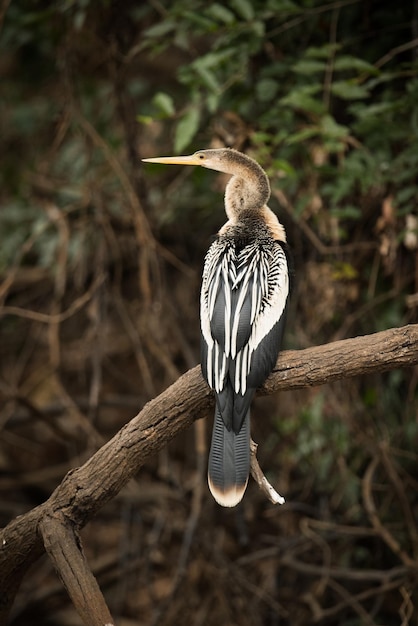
(243, 299)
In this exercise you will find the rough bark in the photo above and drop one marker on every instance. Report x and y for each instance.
(63, 547)
(86, 489)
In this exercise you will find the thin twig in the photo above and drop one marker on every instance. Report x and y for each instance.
(45, 318)
(261, 480)
(330, 61)
(409, 45)
(313, 238)
(370, 507)
(309, 13)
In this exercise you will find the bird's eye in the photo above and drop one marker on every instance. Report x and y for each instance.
(201, 156)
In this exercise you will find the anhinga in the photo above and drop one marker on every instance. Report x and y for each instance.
(242, 309)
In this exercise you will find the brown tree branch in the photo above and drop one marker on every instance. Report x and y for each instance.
(63, 546)
(86, 489)
(379, 352)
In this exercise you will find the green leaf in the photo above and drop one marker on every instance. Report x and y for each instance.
(363, 111)
(207, 77)
(284, 166)
(343, 270)
(348, 62)
(346, 212)
(244, 9)
(214, 59)
(186, 129)
(302, 98)
(323, 52)
(405, 194)
(349, 90)
(200, 20)
(182, 40)
(330, 128)
(266, 89)
(144, 119)
(160, 29)
(212, 101)
(302, 135)
(220, 13)
(164, 102)
(309, 66)
(258, 28)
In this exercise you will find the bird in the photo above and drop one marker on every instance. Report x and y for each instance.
(243, 302)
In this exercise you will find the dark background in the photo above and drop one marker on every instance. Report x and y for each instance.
(100, 262)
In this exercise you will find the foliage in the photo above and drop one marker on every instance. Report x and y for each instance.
(318, 104)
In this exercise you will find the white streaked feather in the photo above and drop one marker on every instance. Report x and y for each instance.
(223, 373)
(213, 290)
(209, 362)
(227, 293)
(237, 312)
(230, 271)
(216, 365)
(254, 297)
(245, 367)
(271, 313)
(237, 371)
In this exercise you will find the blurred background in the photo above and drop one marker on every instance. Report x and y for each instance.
(100, 263)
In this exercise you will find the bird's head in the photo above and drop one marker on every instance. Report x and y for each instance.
(248, 188)
(218, 159)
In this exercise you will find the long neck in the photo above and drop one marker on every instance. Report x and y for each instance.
(248, 190)
(246, 197)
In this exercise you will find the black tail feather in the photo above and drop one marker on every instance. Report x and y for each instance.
(229, 461)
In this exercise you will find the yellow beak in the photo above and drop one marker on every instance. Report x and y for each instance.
(192, 159)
